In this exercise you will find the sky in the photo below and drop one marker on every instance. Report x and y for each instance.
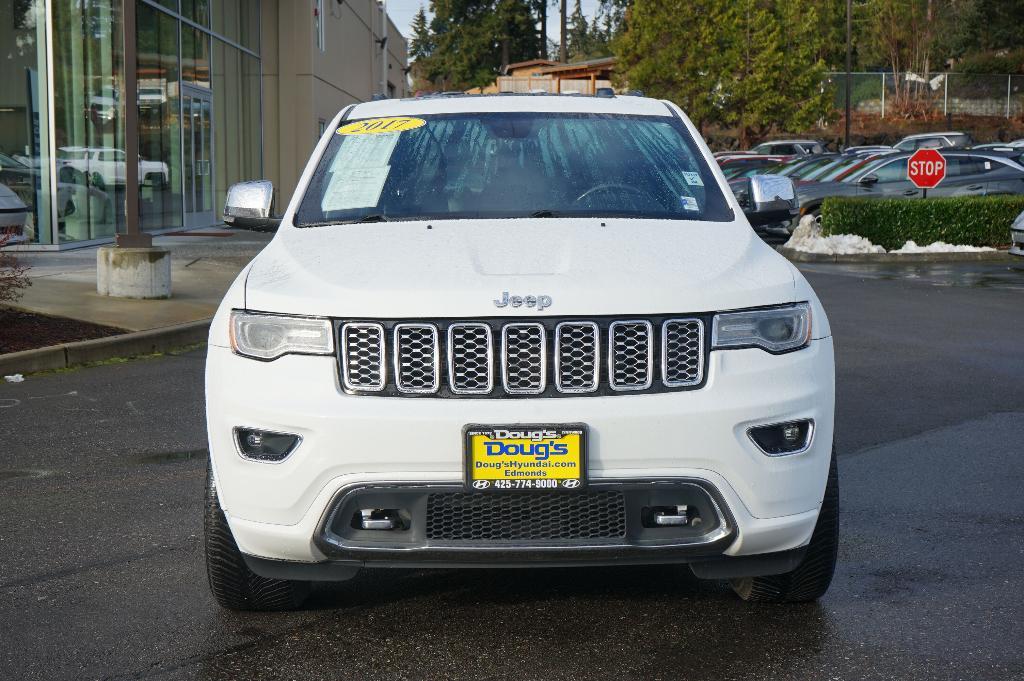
(403, 11)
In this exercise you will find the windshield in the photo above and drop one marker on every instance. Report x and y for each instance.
(502, 165)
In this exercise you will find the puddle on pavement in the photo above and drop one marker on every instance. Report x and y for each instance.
(6, 475)
(173, 457)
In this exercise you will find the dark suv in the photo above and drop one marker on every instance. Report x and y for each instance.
(967, 174)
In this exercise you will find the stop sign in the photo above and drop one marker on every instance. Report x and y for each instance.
(926, 168)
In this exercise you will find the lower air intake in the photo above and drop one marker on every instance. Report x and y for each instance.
(531, 516)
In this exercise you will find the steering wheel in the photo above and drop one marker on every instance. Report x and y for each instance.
(613, 185)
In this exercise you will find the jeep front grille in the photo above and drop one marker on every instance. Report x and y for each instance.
(523, 359)
(416, 358)
(470, 359)
(520, 358)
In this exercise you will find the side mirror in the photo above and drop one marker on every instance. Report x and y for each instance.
(248, 205)
(868, 180)
(766, 199)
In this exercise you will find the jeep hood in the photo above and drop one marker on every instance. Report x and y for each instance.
(457, 268)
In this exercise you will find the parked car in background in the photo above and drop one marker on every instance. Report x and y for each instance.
(935, 140)
(967, 174)
(111, 167)
(1017, 235)
(867, 149)
(1015, 154)
(733, 165)
(790, 148)
(844, 168)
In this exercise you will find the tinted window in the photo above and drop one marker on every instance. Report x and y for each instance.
(514, 165)
(894, 171)
(957, 166)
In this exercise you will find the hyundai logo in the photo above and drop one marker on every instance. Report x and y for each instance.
(481, 484)
(572, 483)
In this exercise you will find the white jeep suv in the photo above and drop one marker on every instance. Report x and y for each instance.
(518, 331)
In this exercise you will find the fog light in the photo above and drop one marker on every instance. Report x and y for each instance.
(265, 445)
(379, 519)
(779, 439)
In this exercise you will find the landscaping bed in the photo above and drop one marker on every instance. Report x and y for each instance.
(21, 330)
(979, 221)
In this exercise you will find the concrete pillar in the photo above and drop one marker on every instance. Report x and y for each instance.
(133, 272)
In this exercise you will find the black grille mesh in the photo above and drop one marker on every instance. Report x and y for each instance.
(530, 516)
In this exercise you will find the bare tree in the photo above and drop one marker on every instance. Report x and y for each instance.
(13, 275)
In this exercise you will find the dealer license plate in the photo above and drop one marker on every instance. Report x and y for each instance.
(526, 457)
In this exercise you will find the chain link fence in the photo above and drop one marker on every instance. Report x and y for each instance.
(887, 94)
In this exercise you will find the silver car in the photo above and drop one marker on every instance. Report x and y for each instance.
(13, 215)
(1017, 236)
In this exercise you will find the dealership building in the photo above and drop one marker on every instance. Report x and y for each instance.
(228, 90)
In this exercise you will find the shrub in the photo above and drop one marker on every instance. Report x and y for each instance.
(13, 275)
(963, 220)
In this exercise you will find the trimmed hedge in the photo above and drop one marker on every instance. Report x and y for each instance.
(961, 220)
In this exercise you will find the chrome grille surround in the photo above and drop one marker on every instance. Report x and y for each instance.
(682, 356)
(547, 356)
(577, 357)
(524, 358)
(470, 358)
(630, 355)
(417, 358)
(363, 365)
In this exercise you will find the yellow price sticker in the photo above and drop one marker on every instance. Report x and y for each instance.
(376, 126)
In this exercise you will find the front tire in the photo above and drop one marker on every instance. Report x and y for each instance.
(811, 579)
(233, 584)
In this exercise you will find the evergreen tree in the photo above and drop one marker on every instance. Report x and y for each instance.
(472, 39)
(421, 44)
(578, 37)
(755, 64)
(679, 50)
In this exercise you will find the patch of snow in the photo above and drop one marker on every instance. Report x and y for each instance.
(807, 238)
(14, 378)
(939, 247)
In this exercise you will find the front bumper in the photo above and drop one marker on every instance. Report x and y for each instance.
(278, 511)
(1017, 242)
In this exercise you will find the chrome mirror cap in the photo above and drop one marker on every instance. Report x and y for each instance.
(770, 198)
(248, 204)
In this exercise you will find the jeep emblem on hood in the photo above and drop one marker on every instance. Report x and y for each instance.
(539, 302)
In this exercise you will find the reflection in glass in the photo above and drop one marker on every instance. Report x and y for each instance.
(195, 57)
(196, 10)
(159, 137)
(24, 132)
(88, 130)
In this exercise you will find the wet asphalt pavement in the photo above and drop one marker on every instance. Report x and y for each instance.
(101, 571)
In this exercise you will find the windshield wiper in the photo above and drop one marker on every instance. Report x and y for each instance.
(372, 217)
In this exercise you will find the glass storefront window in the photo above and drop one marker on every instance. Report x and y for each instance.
(160, 200)
(196, 10)
(62, 158)
(24, 128)
(195, 57)
(88, 125)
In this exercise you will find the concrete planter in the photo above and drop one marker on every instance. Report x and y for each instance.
(133, 272)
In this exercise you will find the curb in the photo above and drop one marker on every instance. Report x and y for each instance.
(891, 258)
(125, 345)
